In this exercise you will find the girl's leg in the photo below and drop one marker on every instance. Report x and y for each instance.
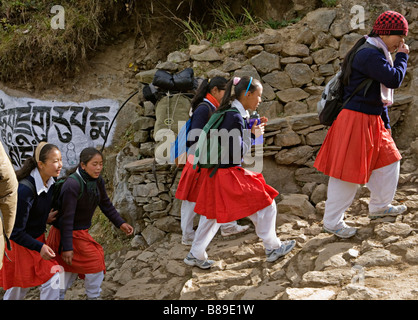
(265, 226)
(15, 293)
(340, 195)
(67, 281)
(382, 185)
(231, 228)
(204, 234)
(92, 283)
(50, 290)
(187, 217)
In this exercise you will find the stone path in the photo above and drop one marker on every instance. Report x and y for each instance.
(380, 262)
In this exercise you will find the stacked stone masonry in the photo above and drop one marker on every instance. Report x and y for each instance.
(293, 64)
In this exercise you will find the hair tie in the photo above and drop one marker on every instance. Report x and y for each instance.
(236, 80)
(249, 85)
(39, 149)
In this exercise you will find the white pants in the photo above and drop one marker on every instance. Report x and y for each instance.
(265, 227)
(50, 290)
(382, 185)
(187, 217)
(92, 284)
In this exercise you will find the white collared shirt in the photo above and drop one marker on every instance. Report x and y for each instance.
(244, 113)
(246, 138)
(39, 184)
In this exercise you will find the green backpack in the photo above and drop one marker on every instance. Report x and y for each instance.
(207, 151)
(56, 195)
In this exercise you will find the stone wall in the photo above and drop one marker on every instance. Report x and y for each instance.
(293, 64)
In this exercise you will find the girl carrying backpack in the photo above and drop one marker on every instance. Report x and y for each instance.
(78, 252)
(204, 104)
(233, 192)
(359, 148)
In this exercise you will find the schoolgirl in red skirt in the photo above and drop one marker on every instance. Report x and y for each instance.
(233, 192)
(31, 262)
(359, 148)
(204, 103)
(78, 253)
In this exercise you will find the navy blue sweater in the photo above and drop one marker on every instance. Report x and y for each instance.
(198, 120)
(77, 214)
(31, 216)
(371, 63)
(239, 144)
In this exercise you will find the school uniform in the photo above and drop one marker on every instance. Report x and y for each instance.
(23, 266)
(70, 232)
(234, 192)
(358, 148)
(191, 179)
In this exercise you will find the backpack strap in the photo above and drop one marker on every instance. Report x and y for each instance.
(366, 83)
(214, 123)
(29, 184)
(76, 176)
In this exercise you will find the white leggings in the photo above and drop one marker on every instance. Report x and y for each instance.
(187, 217)
(49, 290)
(265, 227)
(382, 185)
(92, 283)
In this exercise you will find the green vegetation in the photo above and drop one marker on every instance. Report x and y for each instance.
(226, 26)
(329, 3)
(28, 43)
(32, 51)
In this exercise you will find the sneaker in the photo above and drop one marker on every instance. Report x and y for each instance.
(344, 232)
(234, 230)
(202, 264)
(187, 241)
(285, 248)
(391, 211)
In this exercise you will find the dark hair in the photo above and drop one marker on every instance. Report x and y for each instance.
(30, 163)
(85, 156)
(239, 89)
(348, 59)
(206, 87)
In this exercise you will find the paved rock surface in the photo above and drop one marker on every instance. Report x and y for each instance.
(380, 262)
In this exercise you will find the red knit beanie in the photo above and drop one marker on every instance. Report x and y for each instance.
(391, 23)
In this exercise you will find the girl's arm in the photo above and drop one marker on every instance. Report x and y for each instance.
(25, 200)
(107, 206)
(378, 68)
(69, 192)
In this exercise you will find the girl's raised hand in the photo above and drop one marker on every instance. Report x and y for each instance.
(264, 119)
(258, 130)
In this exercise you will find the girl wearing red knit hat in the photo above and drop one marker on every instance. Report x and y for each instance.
(359, 148)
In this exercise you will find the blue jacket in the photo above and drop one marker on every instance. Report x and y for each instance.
(372, 63)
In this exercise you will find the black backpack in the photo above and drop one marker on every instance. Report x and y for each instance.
(331, 102)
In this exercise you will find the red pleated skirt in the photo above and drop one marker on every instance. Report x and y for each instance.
(27, 268)
(355, 145)
(232, 194)
(190, 181)
(88, 254)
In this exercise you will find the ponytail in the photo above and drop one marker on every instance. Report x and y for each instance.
(348, 59)
(206, 87)
(241, 87)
